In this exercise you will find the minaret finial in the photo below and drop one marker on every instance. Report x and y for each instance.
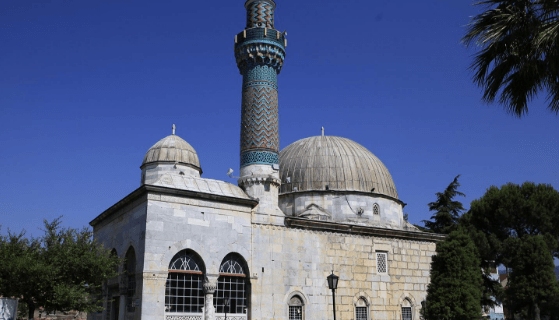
(174, 129)
(323, 131)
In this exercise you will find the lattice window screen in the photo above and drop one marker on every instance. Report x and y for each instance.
(382, 262)
(406, 313)
(184, 261)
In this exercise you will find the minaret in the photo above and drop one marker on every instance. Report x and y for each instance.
(260, 51)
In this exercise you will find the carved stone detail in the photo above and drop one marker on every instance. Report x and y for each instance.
(254, 54)
(209, 286)
(252, 180)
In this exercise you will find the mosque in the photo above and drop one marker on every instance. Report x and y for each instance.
(198, 248)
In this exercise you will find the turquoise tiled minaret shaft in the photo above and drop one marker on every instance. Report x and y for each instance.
(260, 51)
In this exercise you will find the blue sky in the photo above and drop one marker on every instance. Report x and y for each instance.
(86, 87)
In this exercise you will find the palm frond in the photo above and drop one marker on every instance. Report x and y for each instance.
(518, 41)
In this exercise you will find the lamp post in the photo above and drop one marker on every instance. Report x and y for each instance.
(333, 285)
(226, 303)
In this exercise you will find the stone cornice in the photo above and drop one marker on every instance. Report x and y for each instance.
(145, 189)
(318, 225)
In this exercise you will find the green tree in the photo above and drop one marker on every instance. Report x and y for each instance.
(512, 213)
(532, 283)
(20, 268)
(62, 270)
(519, 52)
(455, 289)
(447, 211)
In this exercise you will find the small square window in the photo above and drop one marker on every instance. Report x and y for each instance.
(382, 262)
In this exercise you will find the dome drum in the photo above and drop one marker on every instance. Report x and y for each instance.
(345, 207)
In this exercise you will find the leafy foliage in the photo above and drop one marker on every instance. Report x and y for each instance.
(455, 289)
(503, 224)
(513, 211)
(519, 54)
(20, 268)
(532, 282)
(63, 270)
(447, 210)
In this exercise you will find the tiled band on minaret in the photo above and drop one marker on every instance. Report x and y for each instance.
(260, 51)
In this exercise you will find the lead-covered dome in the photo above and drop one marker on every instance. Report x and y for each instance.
(173, 149)
(333, 163)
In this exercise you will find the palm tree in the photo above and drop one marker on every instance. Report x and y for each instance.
(519, 54)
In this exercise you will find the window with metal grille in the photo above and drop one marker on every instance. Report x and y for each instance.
(109, 304)
(406, 313)
(361, 313)
(131, 289)
(361, 309)
(235, 289)
(232, 283)
(382, 262)
(295, 308)
(295, 313)
(183, 290)
(129, 271)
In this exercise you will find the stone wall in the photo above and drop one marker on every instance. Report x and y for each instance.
(298, 261)
(210, 228)
(282, 261)
(121, 230)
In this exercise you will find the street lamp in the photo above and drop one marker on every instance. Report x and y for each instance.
(226, 303)
(333, 285)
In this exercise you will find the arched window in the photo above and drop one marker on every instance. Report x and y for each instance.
(407, 310)
(296, 308)
(233, 285)
(130, 273)
(376, 208)
(361, 309)
(183, 290)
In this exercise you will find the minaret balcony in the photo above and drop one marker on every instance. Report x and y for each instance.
(260, 46)
(261, 35)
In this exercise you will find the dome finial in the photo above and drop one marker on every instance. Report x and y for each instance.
(323, 131)
(174, 129)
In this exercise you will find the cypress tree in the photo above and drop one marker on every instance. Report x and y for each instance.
(456, 280)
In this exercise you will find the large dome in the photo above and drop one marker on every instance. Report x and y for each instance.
(173, 149)
(333, 163)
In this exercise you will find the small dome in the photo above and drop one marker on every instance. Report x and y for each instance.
(333, 163)
(173, 149)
